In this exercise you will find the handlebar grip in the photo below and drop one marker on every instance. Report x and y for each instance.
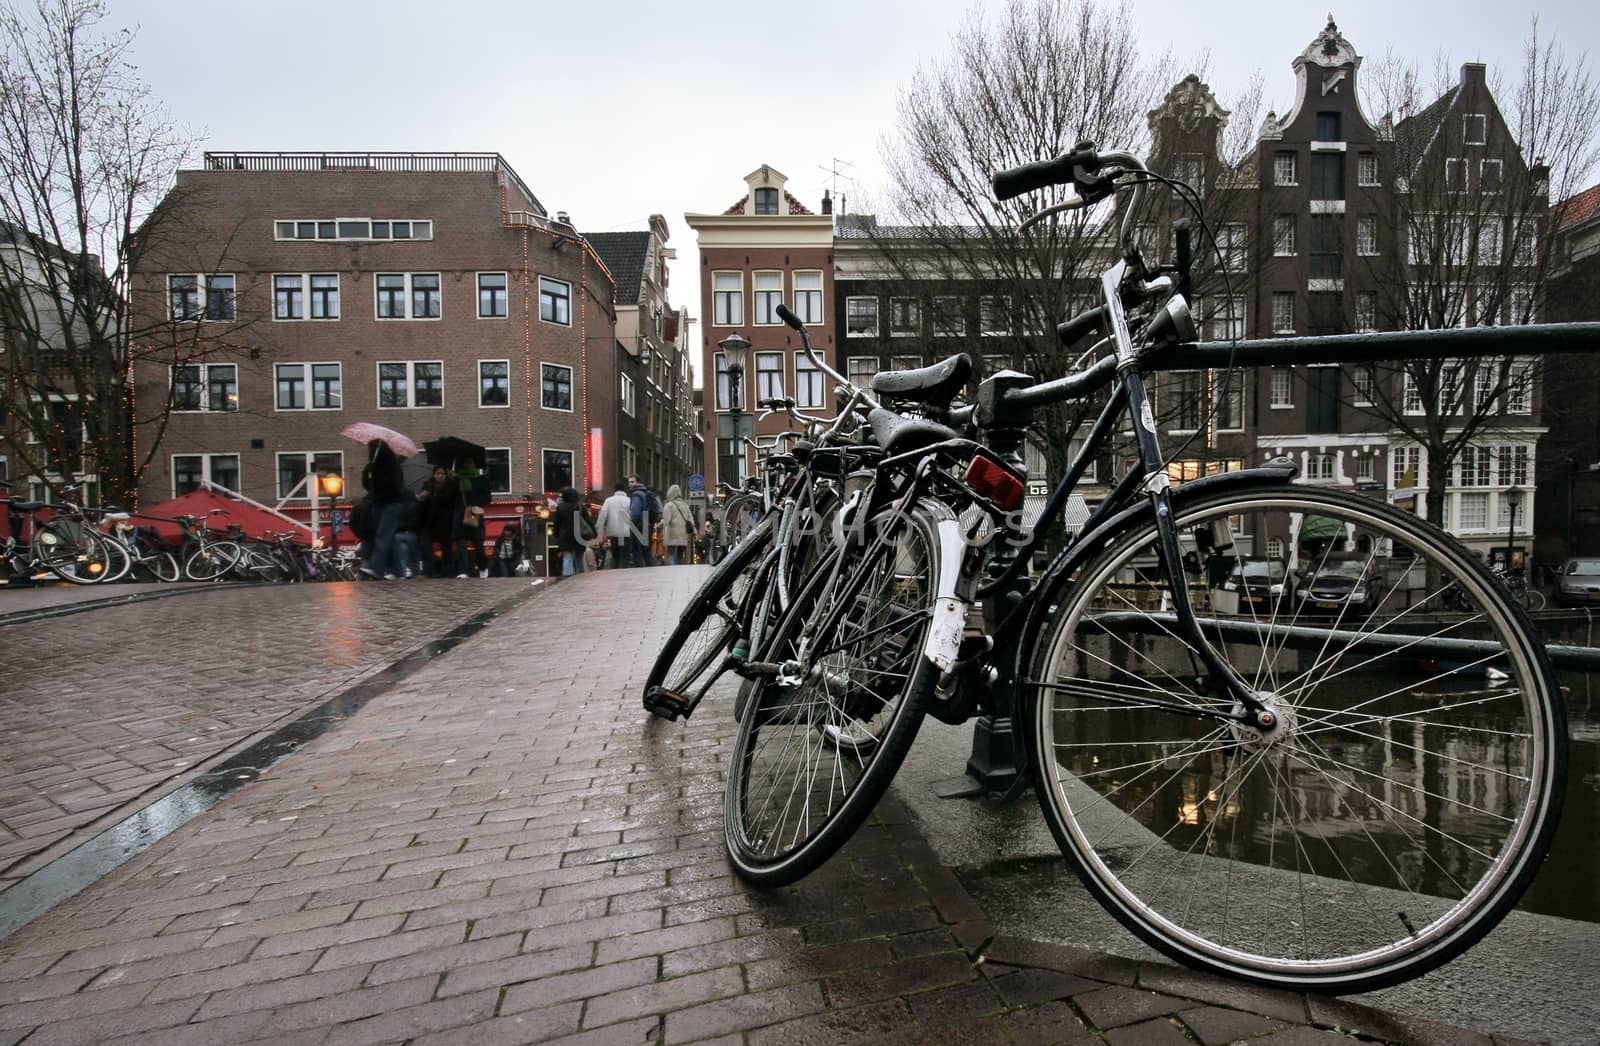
(788, 317)
(1069, 331)
(1185, 254)
(1042, 173)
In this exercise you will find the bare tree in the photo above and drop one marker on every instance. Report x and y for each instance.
(86, 153)
(1466, 242)
(1028, 85)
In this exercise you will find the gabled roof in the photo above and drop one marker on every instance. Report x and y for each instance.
(625, 254)
(795, 206)
(1414, 134)
(1581, 207)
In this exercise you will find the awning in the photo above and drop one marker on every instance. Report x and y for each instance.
(1321, 528)
(255, 522)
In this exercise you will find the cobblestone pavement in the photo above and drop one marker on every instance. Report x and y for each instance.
(102, 709)
(504, 849)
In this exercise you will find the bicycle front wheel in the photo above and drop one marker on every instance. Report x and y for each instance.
(1395, 807)
(212, 561)
(73, 552)
(849, 651)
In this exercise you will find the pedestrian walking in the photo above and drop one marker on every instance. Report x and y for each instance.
(644, 513)
(575, 532)
(385, 485)
(436, 504)
(615, 526)
(472, 497)
(677, 526)
(407, 535)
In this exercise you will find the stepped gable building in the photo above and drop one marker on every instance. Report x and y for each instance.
(429, 292)
(655, 428)
(764, 249)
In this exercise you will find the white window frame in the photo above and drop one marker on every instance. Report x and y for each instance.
(770, 297)
(310, 457)
(808, 303)
(1278, 157)
(484, 466)
(816, 379)
(505, 295)
(557, 298)
(1223, 388)
(997, 307)
(721, 296)
(860, 377)
(572, 465)
(1233, 247)
(1281, 392)
(952, 303)
(1455, 164)
(1466, 128)
(1519, 389)
(494, 406)
(1362, 397)
(1367, 236)
(783, 378)
(905, 362)
(307, 292)
(202, 283)
(411, 384)
(1500, 176)
(307, 377)
(205, 468)
(407, 298)
(572, 387)
(626, 396)
(414, 226)
(1278, 324)
(1283, 245)
(849, 331)
(205, 388)
(1364, 160)
(1363, 297)
(916, 317)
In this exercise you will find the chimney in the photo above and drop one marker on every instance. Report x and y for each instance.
(562, 217)
(827, 202)
(1474, 74)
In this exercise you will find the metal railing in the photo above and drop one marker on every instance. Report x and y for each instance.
(411, 163)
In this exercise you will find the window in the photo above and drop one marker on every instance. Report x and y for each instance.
(494, 383)
(1282, 397)
(1319, 467)
(1513, 464)
(1455, 175)
(353, 229)
(183, 296)
(188, 470)
(1283, 312)
(555, 301)
(860, 369)
(1228, 395)
(725, 383)
(1519, 388)
(1367, 235)
(288, 297)
(808, 296)
(766, 201)
(1367, 169)
(1189, 398)
(1475, 128)
(1328, 127)
(555, 386)
(1491, 245)
(1366, 310)
(491, 295)
(1285, 170)
(1327, 248)
(1327, 176)
(205, 387)
(1489, 172)
(294, 466)
(1365, 466)
(807, 382)
(727, 299)
(1362, 378)
(1189, 170)
(904, 362)
(769, 376)
(861, 317)
(1283, 235)
(731, 461)
(1527, 245)
(768, 296)
(994, 315)
(557, 469)
(324, 296)
(411, 384)
(307, 386)
(1411, 400)
(1233, 247)
(407, 296)
(1405, 467)
(628, 405)
(1322, 399)
(905, 317)
(1474, 466)
(947, 318)
(1472, 512)
(1227, 323)
(1520, 303)
(630, 459)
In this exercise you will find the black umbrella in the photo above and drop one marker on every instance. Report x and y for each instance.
(450, 451)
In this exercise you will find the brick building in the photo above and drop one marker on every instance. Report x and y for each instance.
(1569, 453)
(431, 293)
(765, 249)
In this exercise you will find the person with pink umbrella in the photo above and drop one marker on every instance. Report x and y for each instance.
(385, 484)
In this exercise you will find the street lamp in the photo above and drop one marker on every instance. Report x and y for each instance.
(735, 348)
(327, 484)
(1513, 496)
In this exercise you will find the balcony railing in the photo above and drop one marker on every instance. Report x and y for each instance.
(411, 163)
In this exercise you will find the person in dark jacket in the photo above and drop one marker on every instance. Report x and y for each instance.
(436, 504)
(575, 532)
(385, 484)
(472, 492)
(406, 535)
(644, 514)
(507, 552)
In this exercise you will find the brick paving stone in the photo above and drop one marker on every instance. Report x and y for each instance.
(515, 969)
(1285, 1006)
(929, 971)
(861, 1024)
(956, 1003)
(814, 962)
(1024, 986)
(1304, 1036)
(1382, 1025)
(1050, 1024)
(752, 1011)
(662, 996)
(1111, 1007)
(543, 1025)
(409, 1022)
(1213, 1025)
(1158, 1032)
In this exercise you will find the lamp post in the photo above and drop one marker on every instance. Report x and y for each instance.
(735, 347)
(1513, 496)
(323, 484)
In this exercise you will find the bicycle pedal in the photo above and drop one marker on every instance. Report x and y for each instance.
(664, 704)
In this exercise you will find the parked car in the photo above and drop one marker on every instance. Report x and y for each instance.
(1578, 582)
(1263, 585)
(1336, 588)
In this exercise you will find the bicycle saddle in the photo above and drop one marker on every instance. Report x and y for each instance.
(896, 433)
(26, 506)
(937, 384)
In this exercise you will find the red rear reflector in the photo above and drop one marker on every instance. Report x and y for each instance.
(995, 482)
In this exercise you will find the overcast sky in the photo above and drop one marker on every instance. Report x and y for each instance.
(613, 110)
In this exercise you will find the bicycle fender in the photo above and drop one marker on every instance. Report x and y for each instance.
(1039, 614)
(949, 621)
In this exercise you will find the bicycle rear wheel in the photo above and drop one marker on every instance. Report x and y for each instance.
(212, 561)
(73, 551)
(1396, 808)
(850, 651)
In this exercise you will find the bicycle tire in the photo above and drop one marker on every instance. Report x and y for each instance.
(878, 589)
(1534, 599)
(1389, 821)
(71, 550)
(162, 565)
(212, 561)
(119, 557)
(705, 629)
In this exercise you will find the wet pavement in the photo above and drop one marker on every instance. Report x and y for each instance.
(501, 847)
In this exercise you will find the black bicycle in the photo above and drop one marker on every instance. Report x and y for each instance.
(1329, 787)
